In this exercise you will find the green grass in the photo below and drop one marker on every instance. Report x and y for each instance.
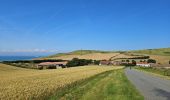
(110, 85)
(161, 51)
(160, 71)
(81, 52)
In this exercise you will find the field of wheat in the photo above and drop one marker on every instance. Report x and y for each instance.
(161, 59)
(23, 84)
(94, 56)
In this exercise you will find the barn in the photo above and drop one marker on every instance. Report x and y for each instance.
(51, 65)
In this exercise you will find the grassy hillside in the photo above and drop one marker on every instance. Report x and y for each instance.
(84, 54)
(162, 55)
(80, 52)
(161, 51)
(94, 56)
(27, 84)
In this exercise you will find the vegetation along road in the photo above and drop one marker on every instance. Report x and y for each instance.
(110, 85)
(150, 86)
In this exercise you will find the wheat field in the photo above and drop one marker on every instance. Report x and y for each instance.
(25, 84)
(94, 56)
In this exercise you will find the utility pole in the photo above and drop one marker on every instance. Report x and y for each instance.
(81, 52)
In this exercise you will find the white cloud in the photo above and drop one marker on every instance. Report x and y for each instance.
(29, 51)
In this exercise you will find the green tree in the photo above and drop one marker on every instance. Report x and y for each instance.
(134, 62)
(151, 61)
(127, 61)
(96, 62)
(78, 62)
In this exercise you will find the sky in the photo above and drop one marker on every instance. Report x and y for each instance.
(30, 27)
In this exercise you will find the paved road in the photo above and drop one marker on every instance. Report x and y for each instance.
(151, 87)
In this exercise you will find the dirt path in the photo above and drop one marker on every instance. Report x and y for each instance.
(150, 86)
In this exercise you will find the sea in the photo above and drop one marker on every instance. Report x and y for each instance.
(14, 58)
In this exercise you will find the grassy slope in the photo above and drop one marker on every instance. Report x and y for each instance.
(161, 51)
(162, 55)
(80, 52)
(110, 85)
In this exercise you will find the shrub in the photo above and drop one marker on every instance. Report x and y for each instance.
(96, 62)
(151, 61)
(134, 62)
(78, 62)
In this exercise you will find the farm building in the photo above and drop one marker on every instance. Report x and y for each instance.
(116, 63)
(105, 62)
(143, 64)
(51, 65)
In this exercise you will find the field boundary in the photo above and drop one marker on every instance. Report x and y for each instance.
(63, 90)
(73, 91)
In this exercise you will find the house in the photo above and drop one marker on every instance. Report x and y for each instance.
(105, 62)
(143, 64)
(117, 63)
(51, 65)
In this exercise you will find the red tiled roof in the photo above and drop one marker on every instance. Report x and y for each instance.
(53, 63)
(142, 63)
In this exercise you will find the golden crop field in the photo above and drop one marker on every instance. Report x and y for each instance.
(23, 84)
(94, 56)
(161, 59)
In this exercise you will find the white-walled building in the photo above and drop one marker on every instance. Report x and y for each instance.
(143, 64)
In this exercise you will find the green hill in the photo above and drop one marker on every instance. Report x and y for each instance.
(81, 52)
(162, 55)
(161, 51)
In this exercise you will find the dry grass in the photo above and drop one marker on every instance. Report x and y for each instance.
(124, 56)
(161, 59)
(24, 84)
(106, 56)
(94, 56)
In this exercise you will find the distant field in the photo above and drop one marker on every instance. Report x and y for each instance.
(162, 55)
(81, 52)
(94, 56)
(21, 84)
(161, 51)
(161, 59)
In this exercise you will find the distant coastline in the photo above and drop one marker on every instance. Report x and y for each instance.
(13, 58)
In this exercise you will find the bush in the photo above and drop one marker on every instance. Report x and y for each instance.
(78, 62)
(96, 62)
(151, 61)
(134, 62)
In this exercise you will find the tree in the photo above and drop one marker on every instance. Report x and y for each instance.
(134, 62)
(127, 60)
(78, 62)
(96, 62)
(151, 61)
(123, 60)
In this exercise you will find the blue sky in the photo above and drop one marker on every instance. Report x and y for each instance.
(50, 26)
